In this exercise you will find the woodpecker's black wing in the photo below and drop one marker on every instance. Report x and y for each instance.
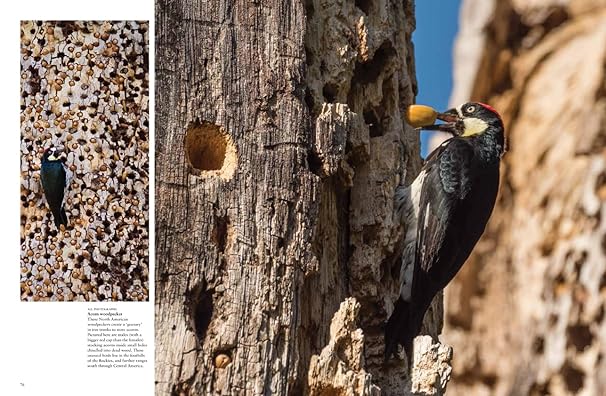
(456, 202)
(53, 178)
(447, 185)
(457, 197)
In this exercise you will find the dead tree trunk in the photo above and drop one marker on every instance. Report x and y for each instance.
(280, 142)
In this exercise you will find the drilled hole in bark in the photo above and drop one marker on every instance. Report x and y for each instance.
(314, 163)
(579, 336)
(329, 92)
(489, 380)
(364, 5)
(206, 147)
(181, 388)
(210, 150)
(309, 101)
(578, 263)
(219, 233)
(556, 17)
(600, 315)
(368, 72)
(559, 284)
(374, 125)
(573, 377)
(201, 309)
(600, 185)
(538, 345)
(539, 389)
(309, 9)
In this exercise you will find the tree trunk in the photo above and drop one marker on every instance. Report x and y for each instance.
(280, 142)
(527, 311)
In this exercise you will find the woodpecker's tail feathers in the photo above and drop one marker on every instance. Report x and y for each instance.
(60, 217)
(400, 329)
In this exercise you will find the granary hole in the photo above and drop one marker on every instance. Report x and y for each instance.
(220, 232)
(330, 92)
(210, 150)
(364, 6)
(580, 336)
(201, 308)
(573, 377)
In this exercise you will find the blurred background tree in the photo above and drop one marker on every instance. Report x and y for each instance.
(526, 314)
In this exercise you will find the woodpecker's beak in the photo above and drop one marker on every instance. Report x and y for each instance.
(449, 116)
(453, 123)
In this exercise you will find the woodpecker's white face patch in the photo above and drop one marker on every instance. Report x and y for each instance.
(52, 156)
(474, 126)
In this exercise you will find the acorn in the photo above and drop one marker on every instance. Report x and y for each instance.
(420, 115)
(222, 360)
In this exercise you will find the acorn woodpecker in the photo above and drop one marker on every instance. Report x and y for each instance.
(445, 211)
(53, 177)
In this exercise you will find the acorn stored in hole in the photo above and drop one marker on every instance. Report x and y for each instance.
(222, 360)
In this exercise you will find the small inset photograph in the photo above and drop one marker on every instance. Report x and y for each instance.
(84, 161)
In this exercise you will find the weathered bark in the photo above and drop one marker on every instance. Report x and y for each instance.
(526, 314)
(84, 89)
(280, 143)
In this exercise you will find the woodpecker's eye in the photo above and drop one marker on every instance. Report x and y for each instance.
(470, 109)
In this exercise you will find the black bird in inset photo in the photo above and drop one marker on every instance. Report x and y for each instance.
(54, 182)
(446, 209)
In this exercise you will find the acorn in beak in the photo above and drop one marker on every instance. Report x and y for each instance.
(424, 118)
(453, 123)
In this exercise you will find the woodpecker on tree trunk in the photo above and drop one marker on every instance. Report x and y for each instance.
(54, 182)
(445, 211)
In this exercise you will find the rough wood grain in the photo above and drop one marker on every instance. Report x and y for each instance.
(256, 254)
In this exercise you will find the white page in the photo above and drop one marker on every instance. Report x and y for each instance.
(45, 343)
